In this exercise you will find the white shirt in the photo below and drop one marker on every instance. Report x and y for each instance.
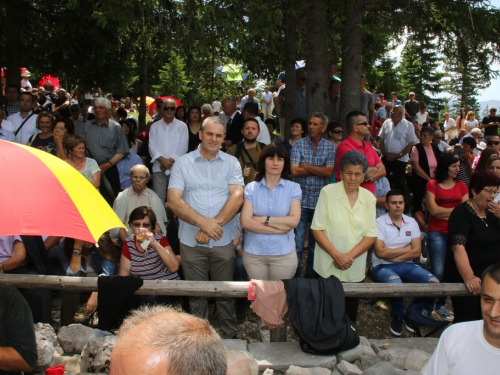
(28, 129)
(267, 96)
(168, 141)
(450, 123)
(5, 134)
(393, 236)
(396, 138)
(216, 105)
(463, 350)
(263, 136)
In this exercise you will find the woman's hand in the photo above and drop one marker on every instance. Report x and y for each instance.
(342, 261)
(494, 208)
(91, 304)
(473, 284)
(58, 137)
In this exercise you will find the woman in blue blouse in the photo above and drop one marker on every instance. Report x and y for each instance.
(270, 213)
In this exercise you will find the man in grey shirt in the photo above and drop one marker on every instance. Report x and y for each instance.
(106, 144)
(367, 101)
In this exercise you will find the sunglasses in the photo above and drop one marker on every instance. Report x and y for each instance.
(169, 108)
(491, 143)
(338, 131)
(363, 123)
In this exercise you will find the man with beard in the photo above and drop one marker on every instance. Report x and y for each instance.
(472, 347)
(248, 150)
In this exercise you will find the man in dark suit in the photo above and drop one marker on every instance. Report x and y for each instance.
(234, 123)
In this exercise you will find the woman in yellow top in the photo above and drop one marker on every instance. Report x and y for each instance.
(344, 226)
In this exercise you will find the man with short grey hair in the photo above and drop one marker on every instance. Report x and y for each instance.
(168, 140)
(396, 139)
(206, 192)
(437, 140)
(135, 196)
(158, 340)
(106, 144)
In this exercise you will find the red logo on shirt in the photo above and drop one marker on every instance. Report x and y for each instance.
(408, 233)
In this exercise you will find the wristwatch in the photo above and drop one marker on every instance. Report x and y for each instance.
(400, 154)
(77, 252)
(1, 268)
(266, 223)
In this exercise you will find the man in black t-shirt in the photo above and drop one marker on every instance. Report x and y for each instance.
(18, 350)
(490, 124)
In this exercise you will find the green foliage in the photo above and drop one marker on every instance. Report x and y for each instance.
(420, 71)
(172, 79)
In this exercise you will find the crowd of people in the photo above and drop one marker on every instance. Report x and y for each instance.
(216, 193)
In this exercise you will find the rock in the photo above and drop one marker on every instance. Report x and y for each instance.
(96, 354)
(347, 368)
(75, 336)
(46, 343)
(416, 360)
(362, 355)
(281, 355)
(71, 364)
(381, 368)
(295, 370)
(235, 344)
(336, 371)
(396, 350)
(268, 371)
(407, 372)
(364, 341)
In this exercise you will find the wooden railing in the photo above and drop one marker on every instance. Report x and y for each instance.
(232, 289)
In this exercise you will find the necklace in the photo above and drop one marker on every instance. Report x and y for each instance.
(483, 219)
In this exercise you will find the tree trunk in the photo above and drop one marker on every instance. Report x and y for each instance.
(290, 44)
(317, 59)
(352, 49)
(12, 53)
(143, 87)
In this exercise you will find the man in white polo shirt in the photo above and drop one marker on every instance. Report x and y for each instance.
(472, 347)
(398, 243)
(397, 137)
(168, 139)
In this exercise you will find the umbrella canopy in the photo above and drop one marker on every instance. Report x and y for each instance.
(42, 195)
(149, 100)
(231, 72)
(152, 107)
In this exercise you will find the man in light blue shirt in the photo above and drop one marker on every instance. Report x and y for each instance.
(206, 192)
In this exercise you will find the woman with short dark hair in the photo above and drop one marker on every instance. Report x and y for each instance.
(298, 130)
(147, 254)
(270, 213)
(474, 237)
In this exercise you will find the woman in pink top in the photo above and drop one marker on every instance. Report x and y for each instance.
(423, 159)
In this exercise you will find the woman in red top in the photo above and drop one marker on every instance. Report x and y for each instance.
(443, 194)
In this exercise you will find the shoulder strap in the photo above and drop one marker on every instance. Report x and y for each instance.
(22, 124)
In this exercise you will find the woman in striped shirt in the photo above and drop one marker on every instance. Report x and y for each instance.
(154, 261)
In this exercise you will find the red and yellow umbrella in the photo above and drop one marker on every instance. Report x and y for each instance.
(42, 195)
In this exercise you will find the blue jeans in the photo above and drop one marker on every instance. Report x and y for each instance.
(437, 245)
(397, 273)
(306, 215)
(240, 274)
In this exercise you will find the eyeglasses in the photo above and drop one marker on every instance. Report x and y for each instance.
(490, 192)
(491, 143)
(363, 123)
(438, 137)
(480, 136)
(381, 96)
(169, 108)
(141, 225)
(138, 177)
(338, 131)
